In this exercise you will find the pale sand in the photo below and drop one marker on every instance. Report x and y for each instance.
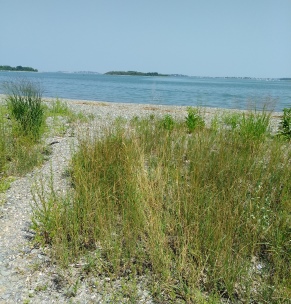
(128, 110)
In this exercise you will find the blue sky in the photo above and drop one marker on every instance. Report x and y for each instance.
(193, 37)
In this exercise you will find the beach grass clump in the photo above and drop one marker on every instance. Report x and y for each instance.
(251, 124)
(255, 125)
(204, 215)
(61, 119)
(285, 124)
(21, 125)
(19, 150)
(3, 140)
(24, 101)
(232, 120)
(23, 155)
(168, 122)
(194, 119)
(59, 108)
(59, 111)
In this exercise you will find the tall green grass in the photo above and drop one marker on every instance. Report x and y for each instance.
(22, 125)
(18, 153)
(285, 124)
(193, 119)
(205, 213)
(3, 140)
(24, 101)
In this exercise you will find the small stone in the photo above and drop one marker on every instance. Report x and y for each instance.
(5, 273)
(5, 296)
(26, 250)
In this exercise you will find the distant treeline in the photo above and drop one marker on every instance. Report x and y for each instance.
(18, 68)
(134, 73)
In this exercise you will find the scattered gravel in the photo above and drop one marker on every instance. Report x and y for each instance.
(27, 275)
(20, 262)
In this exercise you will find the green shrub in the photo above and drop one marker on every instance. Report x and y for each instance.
(168, 122)
(232, 120)
(285, 124)
(24, 101)
(194, 119)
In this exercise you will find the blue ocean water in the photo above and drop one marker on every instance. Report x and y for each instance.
(174, 90)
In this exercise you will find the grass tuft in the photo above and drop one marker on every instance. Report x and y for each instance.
(59, 108)
(285, 124)
(24, 101)
(206, 214)
(194, 119)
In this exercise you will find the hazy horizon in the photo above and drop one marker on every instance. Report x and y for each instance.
(170, 74)
(195, 38)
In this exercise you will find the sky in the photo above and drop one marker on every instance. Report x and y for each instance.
(238, 38)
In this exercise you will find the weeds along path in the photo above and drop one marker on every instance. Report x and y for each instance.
(27, 275)
(20, 263)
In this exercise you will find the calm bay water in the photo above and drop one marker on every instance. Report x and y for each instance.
(188, 91)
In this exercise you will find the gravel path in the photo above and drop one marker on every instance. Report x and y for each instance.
(19, 261)
(27, 274)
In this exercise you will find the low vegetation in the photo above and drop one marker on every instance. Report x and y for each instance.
(202, 213)
(285, 125)
(24, 102)
(198, 214)
(58, 108)
(23, 128)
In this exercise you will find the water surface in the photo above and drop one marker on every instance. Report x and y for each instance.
(186, 91)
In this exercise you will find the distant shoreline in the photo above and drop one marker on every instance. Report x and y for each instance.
(134, 73)
(19, 68)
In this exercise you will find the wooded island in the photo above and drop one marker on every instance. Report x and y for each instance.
(19, 68)
(134, 73)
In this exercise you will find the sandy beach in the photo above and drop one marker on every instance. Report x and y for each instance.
(129, 110)
(111, 110)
